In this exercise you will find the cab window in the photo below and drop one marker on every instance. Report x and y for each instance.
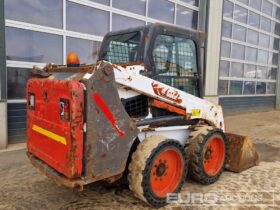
(176, 62)
(122, 48)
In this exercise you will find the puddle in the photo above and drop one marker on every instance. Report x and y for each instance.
(268, 153)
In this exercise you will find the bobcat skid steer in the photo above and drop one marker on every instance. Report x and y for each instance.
(137, 112)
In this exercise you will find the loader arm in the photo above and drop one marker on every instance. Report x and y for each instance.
(195, 107)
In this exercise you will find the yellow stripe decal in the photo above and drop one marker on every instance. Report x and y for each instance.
(49, 134)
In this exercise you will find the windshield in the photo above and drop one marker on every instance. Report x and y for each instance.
(176, 63)
(122, 48)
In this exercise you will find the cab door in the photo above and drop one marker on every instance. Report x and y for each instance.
(175, 62)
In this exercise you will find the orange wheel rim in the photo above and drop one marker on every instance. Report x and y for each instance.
(214, 156)
(166, 172)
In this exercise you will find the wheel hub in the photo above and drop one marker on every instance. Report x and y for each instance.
(166, 172)
(213, 158)
(161, 168)
(208, 153)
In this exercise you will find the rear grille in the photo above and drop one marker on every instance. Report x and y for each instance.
(136, 106)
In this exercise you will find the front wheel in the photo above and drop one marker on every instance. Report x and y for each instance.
(158, 167)
(208, 152)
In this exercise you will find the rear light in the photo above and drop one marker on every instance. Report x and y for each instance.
(64, 109)
(31, 101)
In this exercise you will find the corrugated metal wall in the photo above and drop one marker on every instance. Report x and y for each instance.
(16, 122)
(235, 105)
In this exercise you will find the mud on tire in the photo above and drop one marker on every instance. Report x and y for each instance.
(208, 153)
(153, 165)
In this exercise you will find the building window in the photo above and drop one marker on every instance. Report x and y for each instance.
(274, 43)
(249, 47)
(238, 51)
(223, 87)
(41, 12)
(272, 73)
(162, 10)
(249, 88)
(251, 54)
(264, 40)
(225, 49)
(119, 20)
(227, 29)
(262, 72)
(87, 50)
(244, 1)
(106, 2)
(186, 17)
(276, 28)
(253, 19)
(192, 2)
(262, 56)
(17, 79)
(261, 88)
(239, 33)
(87, 20)
(252, 37)
(256, 4)
(250, 71)
(26, 45)
(224, 68)
(271, 88)
(47, 35)
(276, 12)
(265, 24)
(267, 7)
(228, 9)
(236, 69)
(138, 6)
(235, 88)
(240, 14)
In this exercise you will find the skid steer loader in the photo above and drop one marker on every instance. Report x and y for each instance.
(137, 111)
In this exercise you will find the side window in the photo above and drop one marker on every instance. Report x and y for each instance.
(186, 52)
(122, 48)
(162, 54)
(176, 63)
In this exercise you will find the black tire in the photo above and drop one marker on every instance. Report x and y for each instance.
(198, 150)
(143, 165)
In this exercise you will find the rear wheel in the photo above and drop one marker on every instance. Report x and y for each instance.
(158, 167)
(208, 152)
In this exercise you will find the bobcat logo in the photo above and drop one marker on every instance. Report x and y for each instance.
(165, 92)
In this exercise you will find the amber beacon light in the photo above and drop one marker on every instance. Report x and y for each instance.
(73, 60)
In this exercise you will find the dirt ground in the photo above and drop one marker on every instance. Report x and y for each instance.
(22, 187)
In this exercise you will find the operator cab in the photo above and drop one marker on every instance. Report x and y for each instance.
(170, 54)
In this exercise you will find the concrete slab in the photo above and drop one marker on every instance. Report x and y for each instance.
(14, 147)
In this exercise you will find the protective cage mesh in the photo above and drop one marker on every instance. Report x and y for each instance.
(176, 63)
(122, 48)
(136, 106)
